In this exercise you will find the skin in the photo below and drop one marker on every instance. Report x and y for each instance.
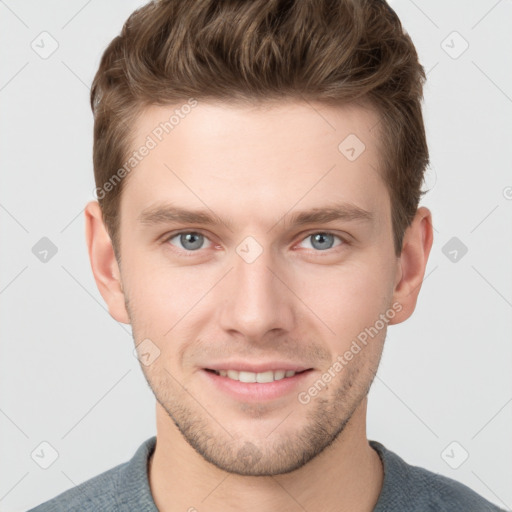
(256, 166)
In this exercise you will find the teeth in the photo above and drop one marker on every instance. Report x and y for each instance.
(262, 377)
(247, 376)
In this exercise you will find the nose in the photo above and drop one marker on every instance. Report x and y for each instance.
(257, 299)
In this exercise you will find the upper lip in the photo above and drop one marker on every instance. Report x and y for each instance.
(245, 366)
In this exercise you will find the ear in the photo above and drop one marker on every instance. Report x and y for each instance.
(412, 262)
(103, 263)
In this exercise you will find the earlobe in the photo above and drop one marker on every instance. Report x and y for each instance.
(103, 263)
(413, 260)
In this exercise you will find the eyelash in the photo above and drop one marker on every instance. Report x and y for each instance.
(186, 252)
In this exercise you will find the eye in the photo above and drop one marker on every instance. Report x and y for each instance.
(189, 240)
(193, 241)
(323, 241)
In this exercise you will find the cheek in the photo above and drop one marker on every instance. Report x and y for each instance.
(348, 299)
(161, 294)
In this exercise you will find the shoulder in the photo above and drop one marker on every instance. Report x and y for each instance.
(415, 489)
(111, 490)
(99, 491)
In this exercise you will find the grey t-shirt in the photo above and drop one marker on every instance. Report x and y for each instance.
(125, 488)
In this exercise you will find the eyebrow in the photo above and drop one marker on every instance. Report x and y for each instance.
(168, 213)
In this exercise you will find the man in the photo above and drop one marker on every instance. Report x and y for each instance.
(258, 169)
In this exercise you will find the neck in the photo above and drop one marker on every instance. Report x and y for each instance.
(347, 475)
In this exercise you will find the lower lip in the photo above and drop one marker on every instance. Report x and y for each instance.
(257, 391)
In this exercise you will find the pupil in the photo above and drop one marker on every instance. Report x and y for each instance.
(321, 239)
(188, 238)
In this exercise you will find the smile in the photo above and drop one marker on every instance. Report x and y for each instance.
(261, 377)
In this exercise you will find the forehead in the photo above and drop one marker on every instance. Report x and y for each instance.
(245, 156)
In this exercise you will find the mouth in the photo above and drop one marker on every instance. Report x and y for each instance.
(261, 386)
(253, 377)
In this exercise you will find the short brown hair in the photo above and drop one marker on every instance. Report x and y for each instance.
(333, 51)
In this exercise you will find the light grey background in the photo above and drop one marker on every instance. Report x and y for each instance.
(68, 375)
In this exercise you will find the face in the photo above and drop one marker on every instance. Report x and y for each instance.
(262, 287)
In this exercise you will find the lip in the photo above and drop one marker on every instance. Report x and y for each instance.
(256, 391)
(242, 366)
